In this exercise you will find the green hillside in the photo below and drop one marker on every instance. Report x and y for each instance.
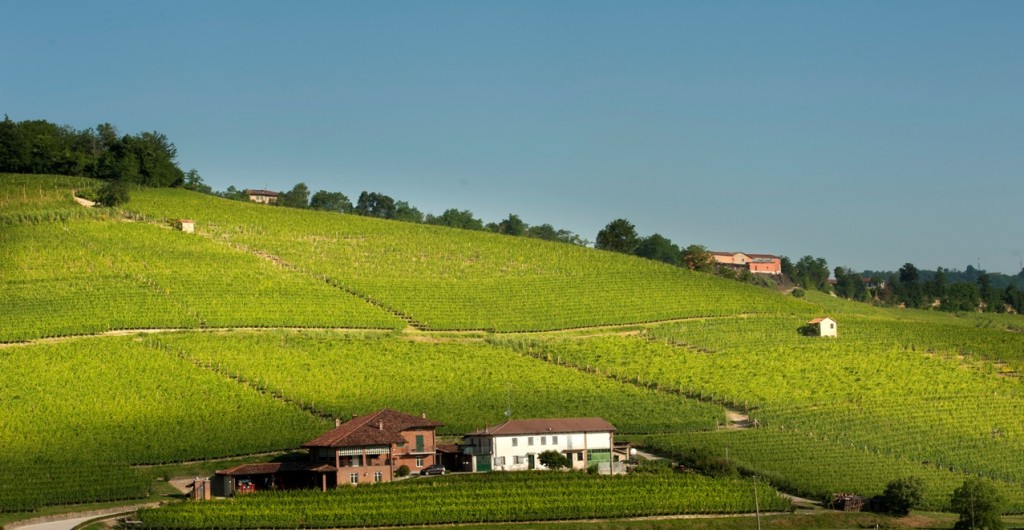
(268, 322)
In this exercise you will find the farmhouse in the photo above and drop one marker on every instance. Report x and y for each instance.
(823, 327)
(516, 444)
(262, 196)
(755, 263)
(371, 448)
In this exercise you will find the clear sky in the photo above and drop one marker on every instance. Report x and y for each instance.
(868, 133)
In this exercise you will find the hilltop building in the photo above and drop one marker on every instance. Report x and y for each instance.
(262, 196)
(515, 444)
(755, 263)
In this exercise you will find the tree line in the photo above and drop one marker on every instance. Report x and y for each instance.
(382, 206)
(41, 147)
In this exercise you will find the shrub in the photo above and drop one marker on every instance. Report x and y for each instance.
(402, 471)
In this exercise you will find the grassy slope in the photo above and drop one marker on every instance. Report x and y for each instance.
(441, 278)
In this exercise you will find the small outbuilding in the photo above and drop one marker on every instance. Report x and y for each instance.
(822, 327)
(186, 225)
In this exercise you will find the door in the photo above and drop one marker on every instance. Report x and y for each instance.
(530, 460)
(483, 463)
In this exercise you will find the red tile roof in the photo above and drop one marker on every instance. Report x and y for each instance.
(763, 256)
(543, 426)
(267, 193)
(819, 320)
(383, 427)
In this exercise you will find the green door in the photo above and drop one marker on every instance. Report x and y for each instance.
(483, 463)
(531, 461)
(419, 443)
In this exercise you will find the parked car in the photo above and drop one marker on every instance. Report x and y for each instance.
(436, 469)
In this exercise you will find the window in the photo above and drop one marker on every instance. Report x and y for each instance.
(419, 461)
(419, 443)
(579, 456)
(519, 459)
(543, 440)
(378, 476)
(554, 440)
(515, 442)
(499, 460)
(529, 440)
(357, 461)
(353, 478)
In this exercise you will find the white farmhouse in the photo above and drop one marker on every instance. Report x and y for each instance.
(517, 444)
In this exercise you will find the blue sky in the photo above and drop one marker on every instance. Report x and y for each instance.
(867, 133)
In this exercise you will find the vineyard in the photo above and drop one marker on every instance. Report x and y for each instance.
(464, 385)
(453, 279)
(871, 391)
(76, 414)
(274, 321)
(491, 497)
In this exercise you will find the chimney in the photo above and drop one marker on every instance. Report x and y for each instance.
(337, 422)
(423, 415)
(380, 425)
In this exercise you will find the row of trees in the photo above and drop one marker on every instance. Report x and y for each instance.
(621, 236)
(38, 146)
(909, 288)
(373, 204)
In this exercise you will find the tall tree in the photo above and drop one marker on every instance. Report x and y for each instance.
(910, 292)
(512, 226)
(373, 204)
(297, 197)
(660, 248)
(979, 505)
(618, 236)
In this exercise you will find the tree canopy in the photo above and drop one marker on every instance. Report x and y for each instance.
(979, 505)
(618, 236)
(38, 146)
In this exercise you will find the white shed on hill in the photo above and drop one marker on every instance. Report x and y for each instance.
(824, 327)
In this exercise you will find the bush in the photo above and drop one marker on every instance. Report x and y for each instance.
(113, 193)
(402, 471)
(798, 293)
(553, 460)
(710, 464)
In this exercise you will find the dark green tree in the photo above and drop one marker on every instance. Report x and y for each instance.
(961, 296)
(902, 495)
(553, 460)
(330, 201)
(297, 197)
(811, 273)
(372, 204)
(660, 248)
(513, 226)
(935, 288)
(979, 505)
(618, 236)
(910, 293)
(456, 219)
(405, 212)
(1014, 297)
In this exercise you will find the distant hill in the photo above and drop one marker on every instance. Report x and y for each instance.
(968, 275)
